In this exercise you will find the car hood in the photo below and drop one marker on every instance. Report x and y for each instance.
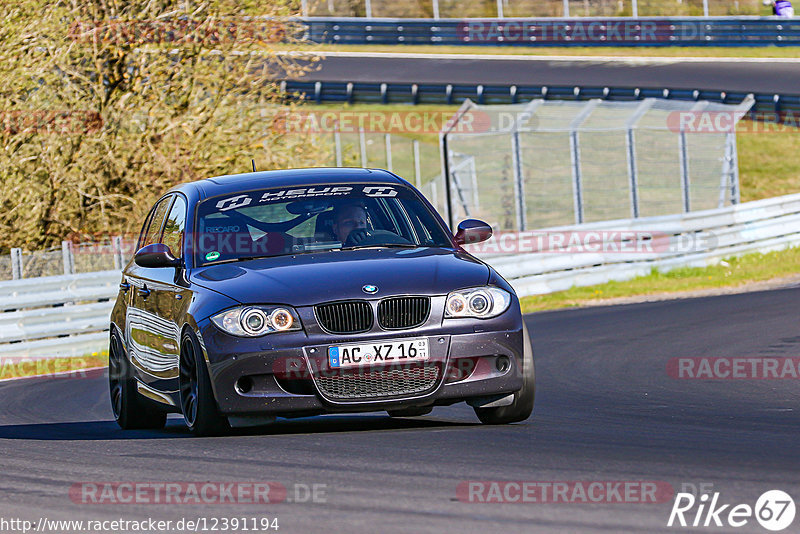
(307, 279)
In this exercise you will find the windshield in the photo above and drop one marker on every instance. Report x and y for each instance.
(275, 222)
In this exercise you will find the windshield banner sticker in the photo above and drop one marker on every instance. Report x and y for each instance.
(259, 197)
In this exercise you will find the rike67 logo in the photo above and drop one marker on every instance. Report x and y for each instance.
(774, 510)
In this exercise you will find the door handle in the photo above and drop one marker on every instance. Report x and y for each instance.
(124, 286)
(144, 292)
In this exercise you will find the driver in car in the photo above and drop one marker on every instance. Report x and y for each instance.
(350, 222)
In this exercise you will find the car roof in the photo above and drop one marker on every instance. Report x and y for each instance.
(233, 183)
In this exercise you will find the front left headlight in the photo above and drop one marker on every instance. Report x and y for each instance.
(477, 302)
(254, 321)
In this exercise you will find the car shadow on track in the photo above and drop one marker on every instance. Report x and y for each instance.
(108, 430)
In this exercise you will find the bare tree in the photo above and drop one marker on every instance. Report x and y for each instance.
(106, 103)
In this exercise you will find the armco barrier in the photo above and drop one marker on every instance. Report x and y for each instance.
(53, 316)
(647, 31)
(758, 226)
(69, 315)
(429, 93)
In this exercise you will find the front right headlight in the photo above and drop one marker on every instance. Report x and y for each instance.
(254, 321)
(477, 302)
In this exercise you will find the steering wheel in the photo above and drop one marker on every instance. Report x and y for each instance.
(362, 236)
(358, 237)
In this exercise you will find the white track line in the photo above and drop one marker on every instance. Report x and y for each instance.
(510, 57)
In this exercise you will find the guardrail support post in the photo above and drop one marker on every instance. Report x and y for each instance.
(445, 155)
(67, 257)
(417, 165)
(705, 8)
(16, 263)
(632, 173)
(577, 194)
(519, 191)
(436, 9)
(575, 157)
(566, 8)
(337, 141)
(735, 194)
(635, 8)
(116, 250)
(499, 9)
(630, 140)
(684, 159)
(362, 141)
(388, 140)
(368, 8)
(729, 180)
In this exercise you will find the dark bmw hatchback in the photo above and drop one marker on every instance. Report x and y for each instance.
(311, 291)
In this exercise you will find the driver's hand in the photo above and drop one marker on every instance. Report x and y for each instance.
(358, 236)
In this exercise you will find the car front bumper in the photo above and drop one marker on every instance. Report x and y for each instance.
(281, 371)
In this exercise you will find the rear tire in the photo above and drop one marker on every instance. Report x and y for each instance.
(198, 404)
(522, 406)
(131, 411)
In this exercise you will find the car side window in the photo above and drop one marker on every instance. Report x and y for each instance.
(154, 230)
(173, 228)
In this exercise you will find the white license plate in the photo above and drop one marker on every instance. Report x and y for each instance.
(378, 353)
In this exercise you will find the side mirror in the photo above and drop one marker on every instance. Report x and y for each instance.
(472, 231)
(155, 256)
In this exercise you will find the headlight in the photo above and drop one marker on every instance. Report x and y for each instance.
(480, 302)
(253, 321)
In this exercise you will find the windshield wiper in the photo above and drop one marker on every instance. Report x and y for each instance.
(247, 258)
(390, 245)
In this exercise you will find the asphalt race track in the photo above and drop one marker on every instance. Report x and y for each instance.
(760, 76)
(606, 410)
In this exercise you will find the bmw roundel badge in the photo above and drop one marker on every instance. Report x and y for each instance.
(369, 288)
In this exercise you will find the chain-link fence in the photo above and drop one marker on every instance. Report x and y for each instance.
(551, 163)
(532, 8)
(518, 166)
(415, 157)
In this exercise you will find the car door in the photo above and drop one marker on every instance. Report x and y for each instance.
(147, 332)
(169, 297)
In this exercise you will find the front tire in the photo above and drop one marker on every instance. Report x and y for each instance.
(522, 406)
(131, 411)
(198, 404)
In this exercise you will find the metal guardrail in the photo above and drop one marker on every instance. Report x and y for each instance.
(68, 315)
(707, 237)
(420, 93)
(646, 31)
(55, 316)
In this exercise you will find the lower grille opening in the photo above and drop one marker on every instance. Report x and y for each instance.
(264, 384)
(352, 384)
(296, 386)
(461, 369)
